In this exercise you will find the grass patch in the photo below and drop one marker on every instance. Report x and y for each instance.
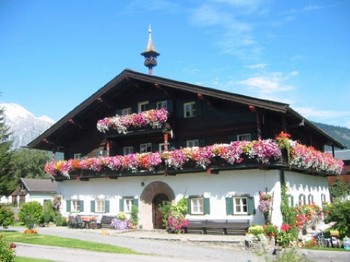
(27, 259)
(48, 240)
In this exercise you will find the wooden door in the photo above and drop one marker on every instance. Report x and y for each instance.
(157, 215)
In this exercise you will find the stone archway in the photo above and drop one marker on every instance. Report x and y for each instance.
(151, 196)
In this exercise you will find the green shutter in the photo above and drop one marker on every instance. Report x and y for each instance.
(229, 205)
(81, 206)
(206, 203)
(121, 205)
(188, 205)
(251, 205)
(68, 205)
(92, 206)
(135, 202)
(107, 206)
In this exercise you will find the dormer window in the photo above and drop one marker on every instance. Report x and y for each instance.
(126, 111)
(128, 150)
(77, 156)
(189, 109)
(142, 106)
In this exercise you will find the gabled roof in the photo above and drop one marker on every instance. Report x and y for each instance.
(117, 85)
(39, 185)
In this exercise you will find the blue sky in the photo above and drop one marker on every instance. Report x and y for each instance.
(55, 54)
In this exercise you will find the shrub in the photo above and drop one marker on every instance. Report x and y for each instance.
(339, 212)
(31, 214)
(176, 222)
(270, 230)
(134, 219)
(7, 250)
(174, 215)
(255, 230)
(6, 216)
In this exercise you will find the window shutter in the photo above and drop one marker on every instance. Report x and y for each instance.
(135, 202)
(206, 206)
(229, 205)
(251, 205)
(92, 206)
(188, 206)
(81, 206)
(68, 205)
(107, 206)
(121, 205)
(169, 106)
(201, 142)
(198, 106)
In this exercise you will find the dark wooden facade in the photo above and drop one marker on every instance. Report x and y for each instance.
(219, 117)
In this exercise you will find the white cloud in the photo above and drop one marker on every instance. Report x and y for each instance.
(236, 37)
(257, 66)
(269, 83)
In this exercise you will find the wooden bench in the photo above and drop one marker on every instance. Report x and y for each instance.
(221, 226)
(105, 222)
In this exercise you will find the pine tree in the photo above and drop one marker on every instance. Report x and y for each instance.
(5, 156)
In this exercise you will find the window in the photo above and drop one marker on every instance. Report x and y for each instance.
(100, 206)
(189, 109)
(128, 205)
(240, 205)
(302, 200)
(75, 206)
(162, 104)
(310, 199)
(77, 156)
(323, 198)
(197, 205)
(126, 111)
(142, 106)
(244, 137)
(128, 150)
(161, 148)
(291, 201)
(144, 148)
(192, 143)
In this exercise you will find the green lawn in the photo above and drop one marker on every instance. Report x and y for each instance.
(47, 240)
(27, 259)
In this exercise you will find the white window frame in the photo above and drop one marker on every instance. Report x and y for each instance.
(100, 205)
(126, 111)
(240, 205)
(197, 205)
(146, 147)
(189, 109)
(161, 147)
(128, 203)
(310, 199)
(77, 156)
(244, 137)
(192, 143)
(141, 106)
(128, 150)
(323, 198)
(162, 104)
(75, 206)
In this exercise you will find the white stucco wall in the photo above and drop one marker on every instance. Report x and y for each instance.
(216, 187)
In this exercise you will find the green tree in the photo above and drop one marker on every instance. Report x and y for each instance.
(5, 156)
(339, 212)
(7, 216)
(31, 214)
(339, 189)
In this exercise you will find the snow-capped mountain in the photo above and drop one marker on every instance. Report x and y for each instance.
(23, 125)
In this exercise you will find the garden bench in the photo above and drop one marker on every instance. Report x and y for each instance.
(222, 226)
(105, 222)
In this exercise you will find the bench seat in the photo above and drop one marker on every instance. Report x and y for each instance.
(221, 226)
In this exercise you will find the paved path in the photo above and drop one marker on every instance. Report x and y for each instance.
(159, 246)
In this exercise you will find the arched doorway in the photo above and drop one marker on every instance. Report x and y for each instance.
(153, 194)
(157, 216)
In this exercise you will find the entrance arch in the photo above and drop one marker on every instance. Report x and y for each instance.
(153, 194)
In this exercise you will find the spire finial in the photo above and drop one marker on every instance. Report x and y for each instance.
(150, 53)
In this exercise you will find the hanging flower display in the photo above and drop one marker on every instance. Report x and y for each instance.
(153, 118)
(265, 205)
(263, 151)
